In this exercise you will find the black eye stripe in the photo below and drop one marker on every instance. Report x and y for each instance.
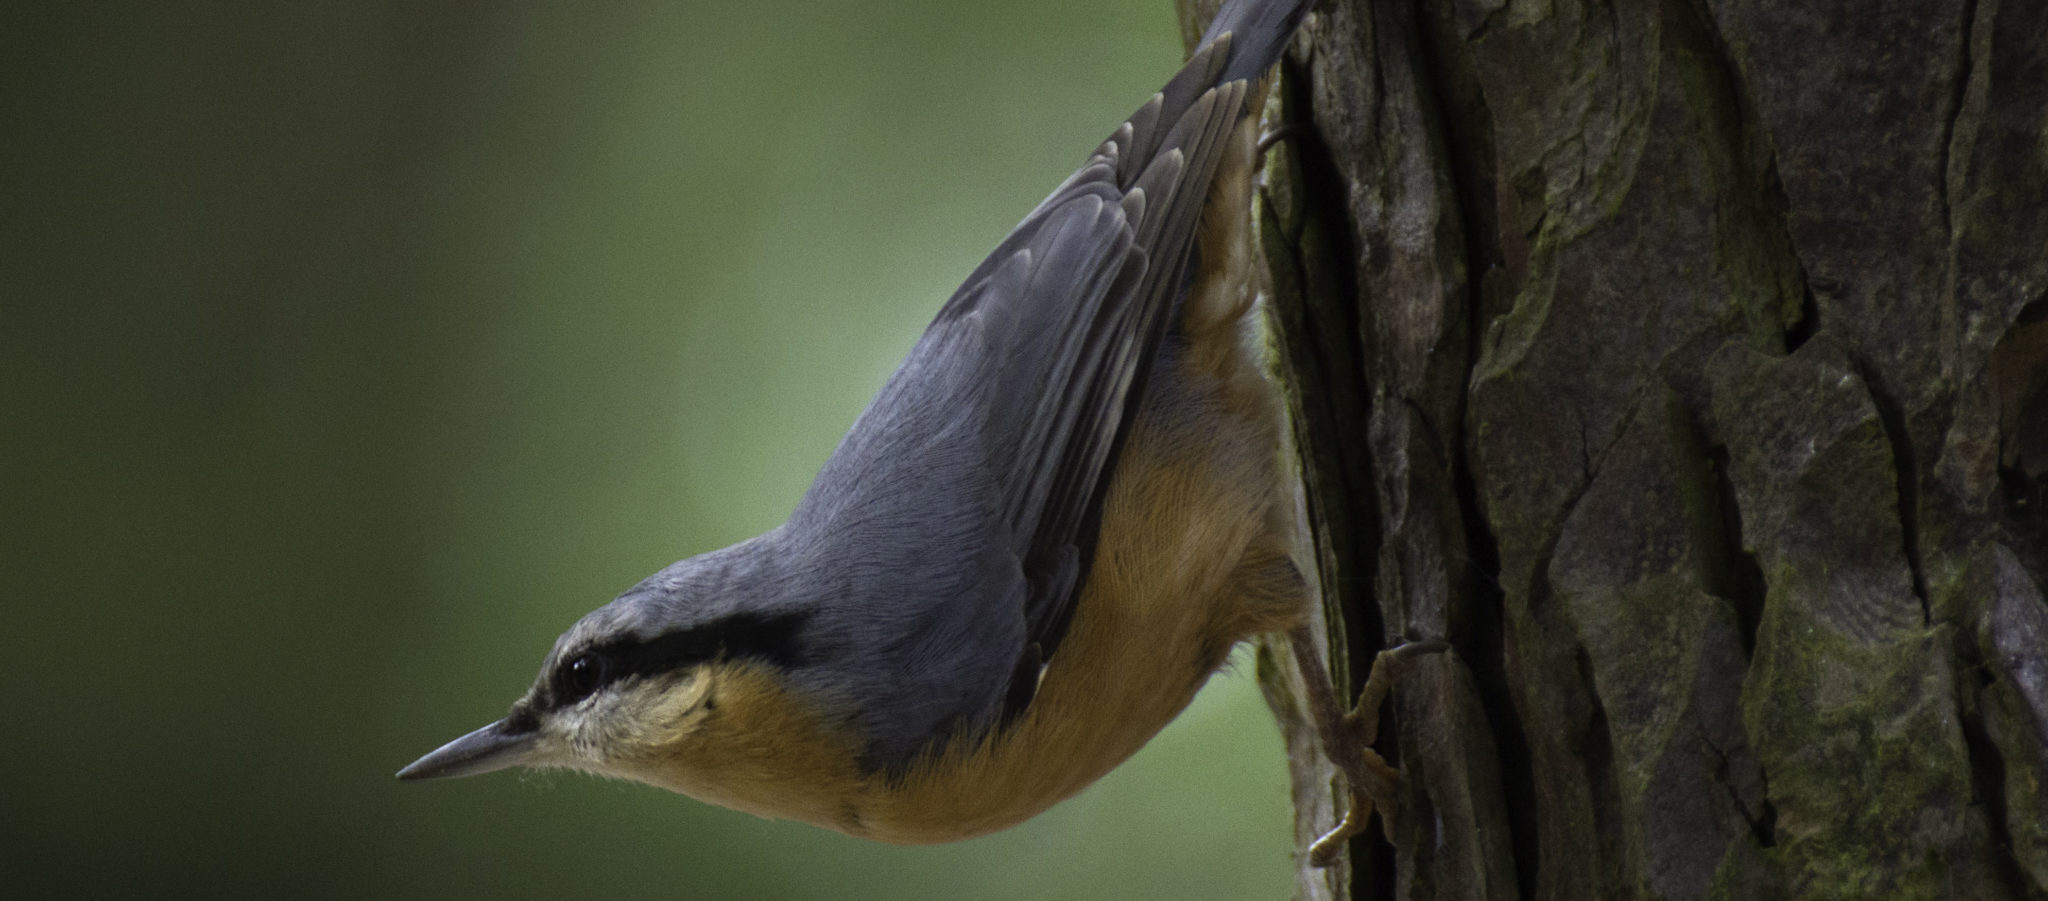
(769, 639)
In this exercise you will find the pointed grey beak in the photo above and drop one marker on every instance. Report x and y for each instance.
(493, 747)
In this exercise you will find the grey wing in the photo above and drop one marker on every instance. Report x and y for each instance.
(1080, 336)
(1072, 307)
(953, 527)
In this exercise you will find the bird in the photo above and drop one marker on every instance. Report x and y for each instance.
(1053, 523)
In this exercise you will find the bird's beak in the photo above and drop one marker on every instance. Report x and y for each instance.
(494, 747)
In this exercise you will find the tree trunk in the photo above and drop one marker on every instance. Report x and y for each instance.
(1684, 364)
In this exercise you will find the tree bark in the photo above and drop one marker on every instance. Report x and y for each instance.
(1684, 364)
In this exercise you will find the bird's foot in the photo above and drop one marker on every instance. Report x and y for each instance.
(1348, 737)
(1284, 132)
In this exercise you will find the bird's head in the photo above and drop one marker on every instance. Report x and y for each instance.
(689, 693)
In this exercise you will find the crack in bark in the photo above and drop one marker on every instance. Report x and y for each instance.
(1345, 371)
(2023, 511)
(1906, 469)
(1747, 588)
(1757, 159)
(1728, 569)
(1987, 763)
(1802, 331)
(1485, 654)
(1466, 143)
(1487, 23)
(1763, 820)
(1602, 783)
(1467, 147)
(1966, 75)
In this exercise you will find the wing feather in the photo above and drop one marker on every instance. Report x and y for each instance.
(997, 439)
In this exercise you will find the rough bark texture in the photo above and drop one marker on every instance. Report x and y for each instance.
(1684, 363)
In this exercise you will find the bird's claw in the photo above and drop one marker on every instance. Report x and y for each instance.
(1374, 786)
(1373, 783)
(1283, 132)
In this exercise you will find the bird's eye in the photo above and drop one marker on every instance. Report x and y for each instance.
(580, 677)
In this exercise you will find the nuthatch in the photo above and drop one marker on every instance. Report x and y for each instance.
(1045, 533)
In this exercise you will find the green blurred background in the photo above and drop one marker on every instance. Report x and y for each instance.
(350, 351)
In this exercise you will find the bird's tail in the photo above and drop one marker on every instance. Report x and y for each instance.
(1259, 32)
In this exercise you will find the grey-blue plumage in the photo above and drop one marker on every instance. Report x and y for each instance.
(945, 541)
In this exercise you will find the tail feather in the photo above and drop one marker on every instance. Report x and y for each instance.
(1260, 31)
